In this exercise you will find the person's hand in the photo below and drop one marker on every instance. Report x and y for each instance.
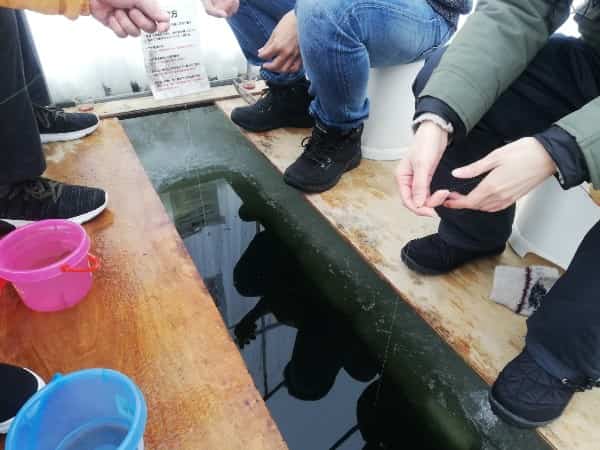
(221, 8)
(415, 172)
(514, 170)
(282, 48)
(128, 17)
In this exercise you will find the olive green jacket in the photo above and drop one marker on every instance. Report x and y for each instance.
(495, 46)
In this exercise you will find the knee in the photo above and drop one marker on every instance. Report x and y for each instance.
(316, 17)
(430, 64)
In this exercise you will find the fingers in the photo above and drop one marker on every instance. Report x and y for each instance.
(480, 167)
(269, 50)
(126, 24)
(284, 64)
(141, 21)
(296, 66)
(113, 24)
(276, 65)
(214, 11)
(162, 27)
(421, 182)
(476, 200)
(152, 10)
(404, 176)
(437, 198)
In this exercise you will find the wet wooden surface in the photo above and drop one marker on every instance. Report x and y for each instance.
(366, 210)
(149, 314)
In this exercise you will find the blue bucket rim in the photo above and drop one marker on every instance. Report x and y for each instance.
(135, 434)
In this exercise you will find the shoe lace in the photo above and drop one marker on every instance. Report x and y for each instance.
(270, 97)
(38, 189)
(47, 115)
(586, 385)
(319, 149)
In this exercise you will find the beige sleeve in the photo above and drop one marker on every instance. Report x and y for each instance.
(69, 8)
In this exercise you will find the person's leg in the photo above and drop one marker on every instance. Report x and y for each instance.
(562, 354)
(25, 197)
(54, 124)
(564, 333)
(285, 104)
(21, 156)
(34, 75)
(253, 24)
(341, 40)
(560, 80)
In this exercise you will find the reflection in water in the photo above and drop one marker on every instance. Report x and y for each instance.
(317, 378)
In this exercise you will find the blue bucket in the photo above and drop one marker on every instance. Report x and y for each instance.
(95, 409)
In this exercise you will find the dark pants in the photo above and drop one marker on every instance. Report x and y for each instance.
(564, 335)
(21, 156)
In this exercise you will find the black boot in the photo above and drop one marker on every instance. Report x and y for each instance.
(526, 396)
(279, 107)
(327, 155)
(432, 256)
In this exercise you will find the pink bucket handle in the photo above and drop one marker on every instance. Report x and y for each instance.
(94, 262)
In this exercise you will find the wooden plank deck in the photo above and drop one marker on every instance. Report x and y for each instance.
(365, 208)
(148, 104)
(149, 314)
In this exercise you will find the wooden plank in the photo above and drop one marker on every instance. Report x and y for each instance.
(365, 208)
(149, 314)
(147, 104)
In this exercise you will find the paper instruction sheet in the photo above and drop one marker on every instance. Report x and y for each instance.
(174, 60)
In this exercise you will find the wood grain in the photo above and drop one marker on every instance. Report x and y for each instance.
(366, 210)
(149, 314)
(147, 104)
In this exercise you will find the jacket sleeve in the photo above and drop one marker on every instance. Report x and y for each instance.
(494, 47)
(584, 126)
(69, 8)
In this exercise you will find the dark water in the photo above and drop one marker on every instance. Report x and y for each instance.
(317, 378)
(303, 360)
(294, 313)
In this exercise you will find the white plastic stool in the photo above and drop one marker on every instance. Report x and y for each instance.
(551, 222)
(388, 131)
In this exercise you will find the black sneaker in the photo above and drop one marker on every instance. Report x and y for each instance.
(526, 396)
(40, 199)
(327, 155)
(279, 107)
(56, 125)
(18, 386)
(432, 256)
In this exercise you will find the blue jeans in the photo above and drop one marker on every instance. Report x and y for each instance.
(253, 24)
(341, 39)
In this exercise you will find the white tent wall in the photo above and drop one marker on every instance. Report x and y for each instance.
(84, 61)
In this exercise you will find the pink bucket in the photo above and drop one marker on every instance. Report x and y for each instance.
(49, 264)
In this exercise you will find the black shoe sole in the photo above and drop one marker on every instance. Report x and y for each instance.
(314, 189)
(416, 267)
(511, 418)
(308, 123)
